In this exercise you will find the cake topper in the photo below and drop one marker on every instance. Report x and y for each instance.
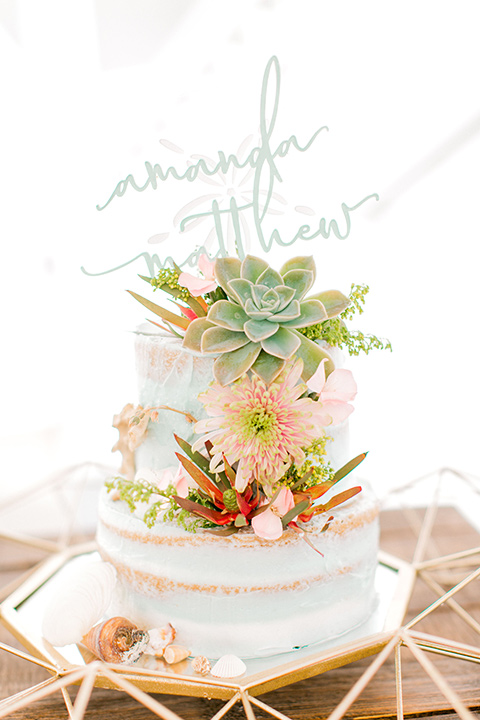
(263, 160)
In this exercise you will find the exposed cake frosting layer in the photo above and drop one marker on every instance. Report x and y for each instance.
(168, 375)
(242, 594)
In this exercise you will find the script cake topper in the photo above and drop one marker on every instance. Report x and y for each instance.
(263, 161)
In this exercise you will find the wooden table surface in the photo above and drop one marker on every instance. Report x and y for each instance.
(318, 696)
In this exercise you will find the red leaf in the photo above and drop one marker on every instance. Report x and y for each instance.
(337, 500)
(214, 516)
(229, 472)
(202, 480)
(243, 505)
(303, 535)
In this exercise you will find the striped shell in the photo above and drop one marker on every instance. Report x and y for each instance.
(79, 603)
(175, 653)
(228, 666)
(116, 640)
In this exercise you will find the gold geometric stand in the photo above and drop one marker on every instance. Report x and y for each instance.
(387, 642)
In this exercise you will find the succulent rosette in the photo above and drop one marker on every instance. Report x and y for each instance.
(256, 327)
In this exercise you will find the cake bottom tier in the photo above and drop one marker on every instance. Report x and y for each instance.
(241, 594)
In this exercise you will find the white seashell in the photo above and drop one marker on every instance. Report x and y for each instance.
(228, 666)
(159, 639)
(80, 601)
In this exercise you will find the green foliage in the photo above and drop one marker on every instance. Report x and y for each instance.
(134, 492)
(357, 342)
(169, 277)
(334, 331)
(315, 467)
(356, 297)
(184, 518)
(214, 295)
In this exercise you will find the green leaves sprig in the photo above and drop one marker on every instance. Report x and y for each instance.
(335, 332)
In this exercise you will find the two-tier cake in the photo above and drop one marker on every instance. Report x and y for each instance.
(234, 517)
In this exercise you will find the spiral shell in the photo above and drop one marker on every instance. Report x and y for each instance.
(159, 639)
(116, 640)
(175, 653)
(79, 603)
(228, 666)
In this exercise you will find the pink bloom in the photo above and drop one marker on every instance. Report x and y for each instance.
(161, 478)
(268, 525)
(242, 477)
(183, 482)
(334, 393)
(199, 286)
(263, 426)
(169, 476)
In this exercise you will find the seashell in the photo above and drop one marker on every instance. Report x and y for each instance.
(201, 665)
(80, 602)
(159, 639)
(175, 653)
(116, 640)
(228, 666)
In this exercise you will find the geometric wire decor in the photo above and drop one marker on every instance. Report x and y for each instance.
(389, 635)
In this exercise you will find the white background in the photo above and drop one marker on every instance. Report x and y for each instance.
(89, 89)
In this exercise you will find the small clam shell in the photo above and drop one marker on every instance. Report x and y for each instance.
(80, 601)
(175, 653)
(116, 640)
(201, 665)
(159, 639)
(228, 666)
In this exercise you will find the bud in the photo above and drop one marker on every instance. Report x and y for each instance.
(230, 500)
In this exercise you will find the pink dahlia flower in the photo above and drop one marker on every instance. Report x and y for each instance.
(263, 427)
(199, 286)
(334, 394)
(268, 525)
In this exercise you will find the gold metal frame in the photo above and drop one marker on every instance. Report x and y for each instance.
(138, 681)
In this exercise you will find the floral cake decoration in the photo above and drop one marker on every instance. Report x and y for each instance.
(259, 459)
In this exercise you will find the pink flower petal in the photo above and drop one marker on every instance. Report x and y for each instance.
(242, 477)
(284, 501)
(206, 267)
(182, 482)
(317, 381)
(267, 525)
(182, 487)
(161, 478)
(340, 386)
(196, 286)
(332, 413)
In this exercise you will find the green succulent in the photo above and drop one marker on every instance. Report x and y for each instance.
(256, 327)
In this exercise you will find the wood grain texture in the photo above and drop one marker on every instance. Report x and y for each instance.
(314, 698)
